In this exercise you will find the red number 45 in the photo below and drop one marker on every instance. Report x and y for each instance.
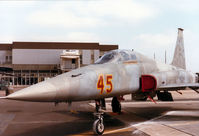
(100, 83)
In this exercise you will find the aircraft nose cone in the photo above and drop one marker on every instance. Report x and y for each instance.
(40, 92)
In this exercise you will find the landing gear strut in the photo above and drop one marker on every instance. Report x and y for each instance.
(100, 105)
(98, 125)
(116, 106)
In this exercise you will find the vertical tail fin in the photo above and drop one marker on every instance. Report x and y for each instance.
(179, 55)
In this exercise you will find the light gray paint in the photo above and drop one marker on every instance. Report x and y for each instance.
(179, 55)
(126, 71)
(125, 67)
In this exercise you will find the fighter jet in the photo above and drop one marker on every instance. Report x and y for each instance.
(116, 73)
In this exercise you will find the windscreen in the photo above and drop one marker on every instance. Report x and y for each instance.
(116, 56)
(106, 57)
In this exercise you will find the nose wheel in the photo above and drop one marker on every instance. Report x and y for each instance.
(98, 125)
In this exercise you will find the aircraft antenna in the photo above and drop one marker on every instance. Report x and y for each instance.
(165, 57)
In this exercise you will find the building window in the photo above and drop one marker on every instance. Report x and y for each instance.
(10, 57)
(7, 58)
(73, 61)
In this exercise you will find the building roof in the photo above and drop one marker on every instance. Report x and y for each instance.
(5, 46)
(57, 45)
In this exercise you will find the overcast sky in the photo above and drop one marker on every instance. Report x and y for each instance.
(147, 26)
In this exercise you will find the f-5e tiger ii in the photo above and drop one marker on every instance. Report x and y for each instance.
(116, 73)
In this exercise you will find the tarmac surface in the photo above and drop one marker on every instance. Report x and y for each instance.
(178, 118)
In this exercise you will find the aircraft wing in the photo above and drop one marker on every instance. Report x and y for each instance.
(2, 97)
(171, 87)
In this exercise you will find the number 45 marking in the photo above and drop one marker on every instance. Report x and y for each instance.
(100, 83)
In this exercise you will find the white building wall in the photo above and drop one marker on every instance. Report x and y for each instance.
(96, 55)
(86, 57)
(36, 56)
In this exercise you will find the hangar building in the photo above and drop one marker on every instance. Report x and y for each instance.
(31, 62)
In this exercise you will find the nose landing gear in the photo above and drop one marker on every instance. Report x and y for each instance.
(98, 125)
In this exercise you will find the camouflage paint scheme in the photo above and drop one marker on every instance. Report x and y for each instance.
(116, 73)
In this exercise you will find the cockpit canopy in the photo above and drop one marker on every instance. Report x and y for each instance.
(116, 56)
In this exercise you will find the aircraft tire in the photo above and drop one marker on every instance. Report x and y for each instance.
(169, 97)
(116, 106)
(98, 127)
(165, 96)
